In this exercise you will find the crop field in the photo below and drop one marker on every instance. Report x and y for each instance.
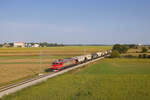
(136, 52)
(20, 63)
(107, 79)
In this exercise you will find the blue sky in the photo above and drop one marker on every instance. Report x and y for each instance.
(75, 21)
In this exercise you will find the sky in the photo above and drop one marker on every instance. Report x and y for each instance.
(75, 21)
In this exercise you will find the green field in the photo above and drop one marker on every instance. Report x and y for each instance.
(21, 63)
(108, 79)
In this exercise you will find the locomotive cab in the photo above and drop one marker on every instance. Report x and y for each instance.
(57, 64)
(63, 63)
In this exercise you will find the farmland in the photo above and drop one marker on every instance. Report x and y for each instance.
(135, 52)
(108, 79)
(19, 63)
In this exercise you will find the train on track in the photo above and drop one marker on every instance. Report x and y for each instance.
(61, 64)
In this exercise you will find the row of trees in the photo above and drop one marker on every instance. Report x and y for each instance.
(144, 56)
(42, 44)
(45, 44)
(8, 44)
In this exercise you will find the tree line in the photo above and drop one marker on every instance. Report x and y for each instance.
(41, 44)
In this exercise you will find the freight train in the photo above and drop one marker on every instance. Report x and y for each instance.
(68, 62)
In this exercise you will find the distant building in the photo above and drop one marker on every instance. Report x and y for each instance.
(19, 44)
(5, 45)
(139, 44)
(36, 45)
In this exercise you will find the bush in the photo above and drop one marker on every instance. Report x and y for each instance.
(140, 56)
(148, 56)
(144, 55)
(149, 47)
(115, 54)
(129, 56)
(144, 49)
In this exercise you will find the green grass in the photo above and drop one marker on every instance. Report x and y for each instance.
(108, 79)
(119, 66)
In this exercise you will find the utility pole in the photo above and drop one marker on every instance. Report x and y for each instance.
(40, 63)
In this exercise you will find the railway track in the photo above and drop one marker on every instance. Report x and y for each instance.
(37, 79)
(23, 82)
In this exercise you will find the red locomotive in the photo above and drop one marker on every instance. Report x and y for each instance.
(63, 63)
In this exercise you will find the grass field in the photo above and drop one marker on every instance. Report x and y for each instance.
(20, 63)
(108, 79)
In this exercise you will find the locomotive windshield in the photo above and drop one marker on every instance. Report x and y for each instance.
(57, 62)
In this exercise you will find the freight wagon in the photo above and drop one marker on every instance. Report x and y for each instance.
(99, 54)
(94, 56)
(80, 59)
(67, 62)
(88, 57)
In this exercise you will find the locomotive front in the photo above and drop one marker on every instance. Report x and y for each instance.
(56, 65)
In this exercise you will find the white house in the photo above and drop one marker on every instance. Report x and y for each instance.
(19, 44)
(139, 44)
(36, 45)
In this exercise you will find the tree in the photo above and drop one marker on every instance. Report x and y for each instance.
(124, 48)
(120, 48)
(115, 54)
(144, 55)
(1, 45)
(11, 44)
(144, 49)
(132, 46)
